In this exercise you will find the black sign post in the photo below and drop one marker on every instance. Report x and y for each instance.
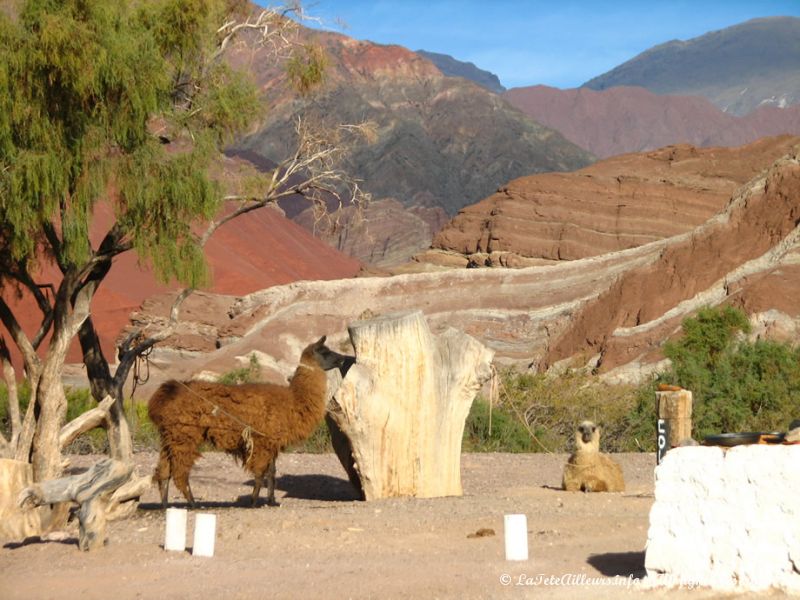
(662, 439)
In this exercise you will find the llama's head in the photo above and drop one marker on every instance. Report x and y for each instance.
(587, 436)
(318, 354)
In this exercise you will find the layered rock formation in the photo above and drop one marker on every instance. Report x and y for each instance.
(625, 119)
(613, 309)
(738, 68)
(618, 203)
(754, 241)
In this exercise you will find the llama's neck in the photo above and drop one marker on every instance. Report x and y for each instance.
(309, 386)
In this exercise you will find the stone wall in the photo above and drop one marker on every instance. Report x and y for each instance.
(726, 519)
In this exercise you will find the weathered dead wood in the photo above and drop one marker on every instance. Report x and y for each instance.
(85, 422)
(92, 490)
(402, 406)
(16, 475)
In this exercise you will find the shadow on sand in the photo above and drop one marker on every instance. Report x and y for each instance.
(619, 564)
(304, 487)
(35, 539)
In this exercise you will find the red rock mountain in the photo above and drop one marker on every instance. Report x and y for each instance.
(618, 120)
(615, 204)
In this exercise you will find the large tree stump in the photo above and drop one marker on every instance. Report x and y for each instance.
(100, 492)
(402, 406)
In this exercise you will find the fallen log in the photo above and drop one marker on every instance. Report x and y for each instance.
(92, 490)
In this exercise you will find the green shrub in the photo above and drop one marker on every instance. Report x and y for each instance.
(551, 407)
(318, 442)
(506, 434)
(144, 433)
(737, 385)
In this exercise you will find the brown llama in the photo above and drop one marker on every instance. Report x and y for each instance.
(253, 422)
(588, 469)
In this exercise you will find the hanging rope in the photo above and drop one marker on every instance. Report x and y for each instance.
(138, 378)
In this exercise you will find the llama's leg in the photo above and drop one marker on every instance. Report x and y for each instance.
(271, 484)
(181, 467)
(260, 465)
(162, 475)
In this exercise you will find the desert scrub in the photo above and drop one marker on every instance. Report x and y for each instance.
(549, 407)
(503, 432)
(737, 384)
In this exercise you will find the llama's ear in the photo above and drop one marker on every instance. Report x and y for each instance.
(322, 340)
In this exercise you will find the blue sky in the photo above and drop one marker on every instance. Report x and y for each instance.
(558, 43)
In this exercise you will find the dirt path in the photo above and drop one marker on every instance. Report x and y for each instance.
(322, 543)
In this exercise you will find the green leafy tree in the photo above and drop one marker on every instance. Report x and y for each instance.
(124, 103)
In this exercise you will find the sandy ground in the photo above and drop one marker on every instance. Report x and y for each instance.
(323, 543)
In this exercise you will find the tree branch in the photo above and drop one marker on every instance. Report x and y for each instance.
(21, 276)
(55, 245)
(85, 422)
(273, 24)
(20, 339)
(127, 355)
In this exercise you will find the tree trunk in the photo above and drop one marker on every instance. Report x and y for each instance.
(10, 377)
(120, 442)
(51, 404)
(403, 405)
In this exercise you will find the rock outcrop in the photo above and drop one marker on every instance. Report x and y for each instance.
(453, 67)
(383, 234)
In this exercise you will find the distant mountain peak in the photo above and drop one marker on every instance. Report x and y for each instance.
(453, 67)
(738, 68)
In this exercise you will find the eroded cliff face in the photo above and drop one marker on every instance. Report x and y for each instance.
(615, 204)
(613, 310)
